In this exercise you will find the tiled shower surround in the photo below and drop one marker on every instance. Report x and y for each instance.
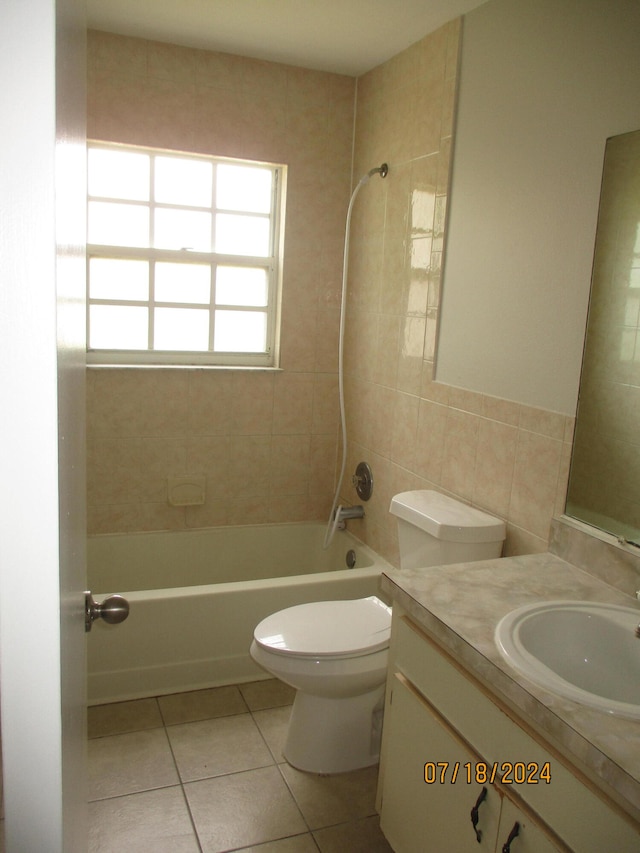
(268, 441)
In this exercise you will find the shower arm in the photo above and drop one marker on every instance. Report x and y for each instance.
(383, 171)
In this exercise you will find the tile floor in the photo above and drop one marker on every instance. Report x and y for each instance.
(203, 772)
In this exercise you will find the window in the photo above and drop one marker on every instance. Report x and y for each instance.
(182, 258)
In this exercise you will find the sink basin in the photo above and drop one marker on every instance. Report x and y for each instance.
(585, 651)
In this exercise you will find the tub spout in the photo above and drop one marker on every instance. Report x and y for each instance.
(343, 513)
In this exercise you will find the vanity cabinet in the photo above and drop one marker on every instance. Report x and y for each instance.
(431, 798)
(457, 772)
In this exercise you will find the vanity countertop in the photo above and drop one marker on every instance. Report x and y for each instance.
(460, 606)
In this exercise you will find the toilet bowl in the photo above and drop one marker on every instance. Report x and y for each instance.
(335, 654)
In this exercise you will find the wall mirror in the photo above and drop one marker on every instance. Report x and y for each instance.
(604, 482)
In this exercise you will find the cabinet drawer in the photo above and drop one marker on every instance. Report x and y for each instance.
(579, 816)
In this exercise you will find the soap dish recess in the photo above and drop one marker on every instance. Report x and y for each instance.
(186, 490)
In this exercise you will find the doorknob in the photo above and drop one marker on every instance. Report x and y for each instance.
(113, 609)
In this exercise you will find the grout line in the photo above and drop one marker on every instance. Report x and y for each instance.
(135, 793)
(293, 797)
(181, 783)
(276, 762)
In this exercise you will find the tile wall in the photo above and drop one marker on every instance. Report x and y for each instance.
(266, 441)
(415, 433)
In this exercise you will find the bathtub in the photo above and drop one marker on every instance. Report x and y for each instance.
(196, 596)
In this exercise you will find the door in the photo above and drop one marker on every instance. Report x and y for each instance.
(42, 515)
(519, 834)
(428, 804)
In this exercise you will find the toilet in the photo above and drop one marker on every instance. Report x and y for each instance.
(435, 530)
(335, 653)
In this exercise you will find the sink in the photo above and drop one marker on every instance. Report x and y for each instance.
(585, 651)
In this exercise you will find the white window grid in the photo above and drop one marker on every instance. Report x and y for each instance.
(269, 263)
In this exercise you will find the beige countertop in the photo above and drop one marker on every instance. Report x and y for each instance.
(460, 606)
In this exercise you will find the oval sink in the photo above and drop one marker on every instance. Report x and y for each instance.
(585, 651)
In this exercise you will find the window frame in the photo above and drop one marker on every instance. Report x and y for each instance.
(271, 263)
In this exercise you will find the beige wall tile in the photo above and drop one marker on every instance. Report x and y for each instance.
(432, 425)
(535, 480)
(293, 403)
(247, 510)
(502, 410)
(252, 403)
(382, 416)
(290, 458)
(495, 460)
(459, 458)
(210, 398)
(322, 464)
(211, 455)
(409, 375)
(158, 516)
(250, 466)
(214, 512)
(540, 421)
(496, 454)
(156, 458)
(111, 518)
(405, 428)
(157, 94)
(325, 407)
(268, 443)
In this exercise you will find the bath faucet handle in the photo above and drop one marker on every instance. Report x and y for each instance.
(362, 481)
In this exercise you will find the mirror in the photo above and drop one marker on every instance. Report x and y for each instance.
(604, 482)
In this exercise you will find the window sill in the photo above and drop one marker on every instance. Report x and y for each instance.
(226, 367)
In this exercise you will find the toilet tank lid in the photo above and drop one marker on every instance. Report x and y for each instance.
(446, 518)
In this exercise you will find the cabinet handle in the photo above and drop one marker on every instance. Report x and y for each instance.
(506, 847)
(475, 816)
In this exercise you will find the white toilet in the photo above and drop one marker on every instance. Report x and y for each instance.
(335, 652)
(435, 530)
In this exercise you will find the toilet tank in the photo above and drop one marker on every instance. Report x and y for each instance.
(434, 529)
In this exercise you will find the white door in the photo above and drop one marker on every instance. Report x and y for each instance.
(42, 510)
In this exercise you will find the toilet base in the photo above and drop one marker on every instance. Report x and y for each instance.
(335, 735)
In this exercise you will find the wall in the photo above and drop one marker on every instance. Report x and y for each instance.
(267, 459)
(543, 84)
(266, 441)
(507, 458)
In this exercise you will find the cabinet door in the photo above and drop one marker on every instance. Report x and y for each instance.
(421, 817)
(529, 838)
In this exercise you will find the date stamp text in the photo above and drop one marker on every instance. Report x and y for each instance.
(504, 773)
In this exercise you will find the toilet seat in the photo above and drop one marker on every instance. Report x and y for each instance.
(327, 629)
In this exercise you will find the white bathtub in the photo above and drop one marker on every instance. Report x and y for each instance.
(196, 597)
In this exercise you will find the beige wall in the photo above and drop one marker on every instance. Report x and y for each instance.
(543, 84)
(266, 441)
(509, 459)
